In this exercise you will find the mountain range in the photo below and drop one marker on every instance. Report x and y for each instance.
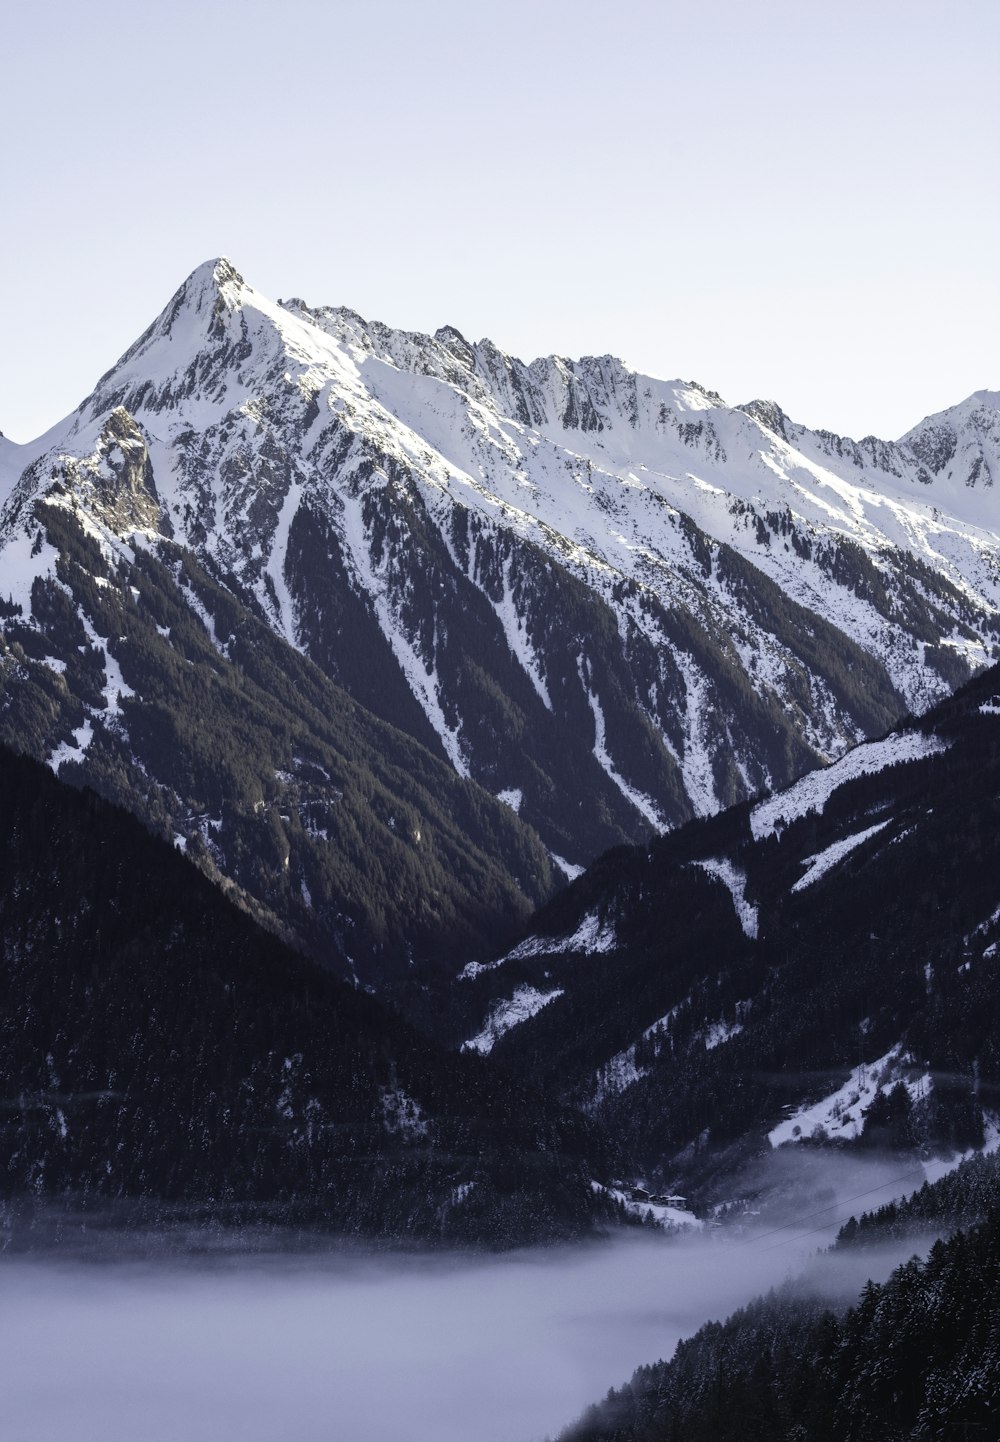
(395, 633)
(452, 799)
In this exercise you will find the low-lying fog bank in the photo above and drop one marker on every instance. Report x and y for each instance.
(374, 1348)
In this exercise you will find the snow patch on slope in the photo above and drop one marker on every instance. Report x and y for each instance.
(841, 1113)
(20, 566)
(116, 689)
(74, 750)
(720, 1032)
(275, 568)
(814, 790)
(824, 861)
(643, 804)
(591, 935)
(696, 767)
(617, 1075)
(526, 1002)
(621, 1071)
(402, 1115)
(421, 678)
(568, 868)
(517, 638)
(735, 881)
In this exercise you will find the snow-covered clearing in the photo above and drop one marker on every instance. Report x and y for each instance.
(666, 1214)
(813, 791)
(591, 935)
(826, 860)
(568, 868)
(526, 1002)
(734, 880)
(721, 1031)
(72, 750)
(840, 1113)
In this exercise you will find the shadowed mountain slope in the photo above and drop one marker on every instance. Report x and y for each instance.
(819, 965)
(163, 1056)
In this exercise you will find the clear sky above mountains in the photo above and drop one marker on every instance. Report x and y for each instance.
(781, 199)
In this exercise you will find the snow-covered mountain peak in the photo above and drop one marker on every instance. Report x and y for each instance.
(981, 408)
(959, 451)
(631, 552)
(211, 281)
(215, 285)
(769, 414)
(691, 396)
(452, 337)
(987, 398)
(553, 394)
(217, 348)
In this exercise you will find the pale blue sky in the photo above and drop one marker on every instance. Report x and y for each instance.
(796, 200)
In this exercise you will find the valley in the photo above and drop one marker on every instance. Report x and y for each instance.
(466, 805)
(519, 1344)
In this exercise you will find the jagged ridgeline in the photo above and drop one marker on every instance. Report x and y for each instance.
(394, 631)
(916, 1357)
(162, 1056)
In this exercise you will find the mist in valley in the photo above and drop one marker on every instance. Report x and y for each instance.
(321, 1344)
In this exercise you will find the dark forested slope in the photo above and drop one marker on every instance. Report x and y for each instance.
(843, 934)
(157, 1046)
(149, 681)
(917, 1357)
